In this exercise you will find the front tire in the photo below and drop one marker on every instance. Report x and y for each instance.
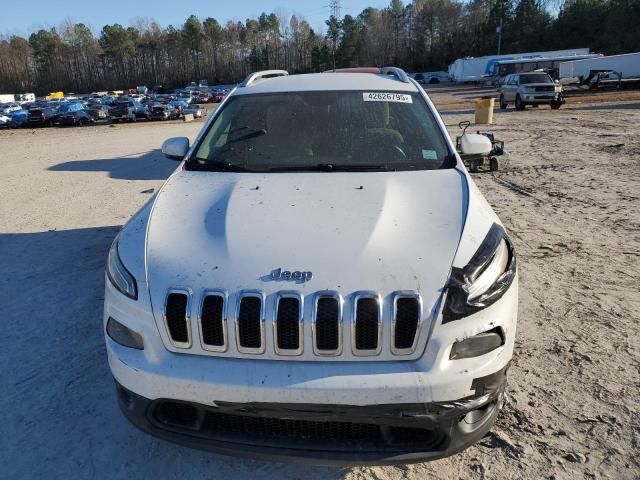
(503, 103)
(474, 166)
(519, 103)
(494, 164)
(555, 105)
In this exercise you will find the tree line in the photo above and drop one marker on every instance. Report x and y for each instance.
(420, 35)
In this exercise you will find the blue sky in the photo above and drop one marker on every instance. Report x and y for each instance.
(23, 17)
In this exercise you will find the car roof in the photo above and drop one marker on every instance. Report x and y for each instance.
(326, 82)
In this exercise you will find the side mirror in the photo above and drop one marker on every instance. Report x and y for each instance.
(175, 148)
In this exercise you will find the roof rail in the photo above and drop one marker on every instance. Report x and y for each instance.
(399, 73)
(252, 77)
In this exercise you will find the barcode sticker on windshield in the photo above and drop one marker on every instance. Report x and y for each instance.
(386, 97)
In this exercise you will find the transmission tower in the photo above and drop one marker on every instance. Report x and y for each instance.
(334, 5)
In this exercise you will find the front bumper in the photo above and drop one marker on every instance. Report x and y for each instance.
(542, 97)
(323, 434)
(431, 392)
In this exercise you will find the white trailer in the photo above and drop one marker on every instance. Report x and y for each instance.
(7, 98)
(472, 69)
(26, 97)
(626, 66)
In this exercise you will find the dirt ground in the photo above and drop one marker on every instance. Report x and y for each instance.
(570, 199)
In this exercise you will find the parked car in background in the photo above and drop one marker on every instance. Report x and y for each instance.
(194, 110)
(532, 88)
(130, 110)
(98, 111)
(185, 96)
(43, 116)
(430, 78)
(160, 111)
(220, 95)
(7, 108)
(19, 118)
(76, 117)
(109, 99)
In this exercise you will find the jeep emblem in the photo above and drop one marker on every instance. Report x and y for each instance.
(287, 276)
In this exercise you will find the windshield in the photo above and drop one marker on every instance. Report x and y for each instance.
(325, 131)
(535, 78)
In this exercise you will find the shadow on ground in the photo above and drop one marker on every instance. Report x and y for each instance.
(62, 419)
(151, 165)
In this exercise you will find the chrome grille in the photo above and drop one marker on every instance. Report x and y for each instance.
(292, 317)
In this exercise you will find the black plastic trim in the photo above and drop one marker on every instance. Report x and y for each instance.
(446, 417)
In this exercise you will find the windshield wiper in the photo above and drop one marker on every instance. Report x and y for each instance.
(218, 166)
(247, 136)
(332, 167)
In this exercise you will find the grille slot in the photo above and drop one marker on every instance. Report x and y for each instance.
(327, 325)
(213, 321)
(176, 316)
(250, 335)
(407, 314)
(367, 325)
(288, 328)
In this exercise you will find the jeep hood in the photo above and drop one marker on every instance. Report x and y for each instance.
(380, 231)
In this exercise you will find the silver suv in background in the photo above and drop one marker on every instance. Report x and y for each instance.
(532, 88)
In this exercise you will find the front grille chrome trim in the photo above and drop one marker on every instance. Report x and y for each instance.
(187, 316)
(298, 296)
(225, 302)
(357, 296)
(257, 294)
(397, 296)
(314, 318)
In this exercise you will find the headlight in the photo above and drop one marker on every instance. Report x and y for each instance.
(484, 280)
(119, 275)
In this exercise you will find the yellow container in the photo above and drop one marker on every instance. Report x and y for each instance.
(484, 109)
(53, 95)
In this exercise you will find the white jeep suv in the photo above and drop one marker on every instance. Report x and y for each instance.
(319, 280)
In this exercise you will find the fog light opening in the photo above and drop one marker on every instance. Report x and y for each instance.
(479, 414)
(178, 414)
(124, 335)
(477, 345)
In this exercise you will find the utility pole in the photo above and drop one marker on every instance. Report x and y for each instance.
(499, 31)
(334, 5)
